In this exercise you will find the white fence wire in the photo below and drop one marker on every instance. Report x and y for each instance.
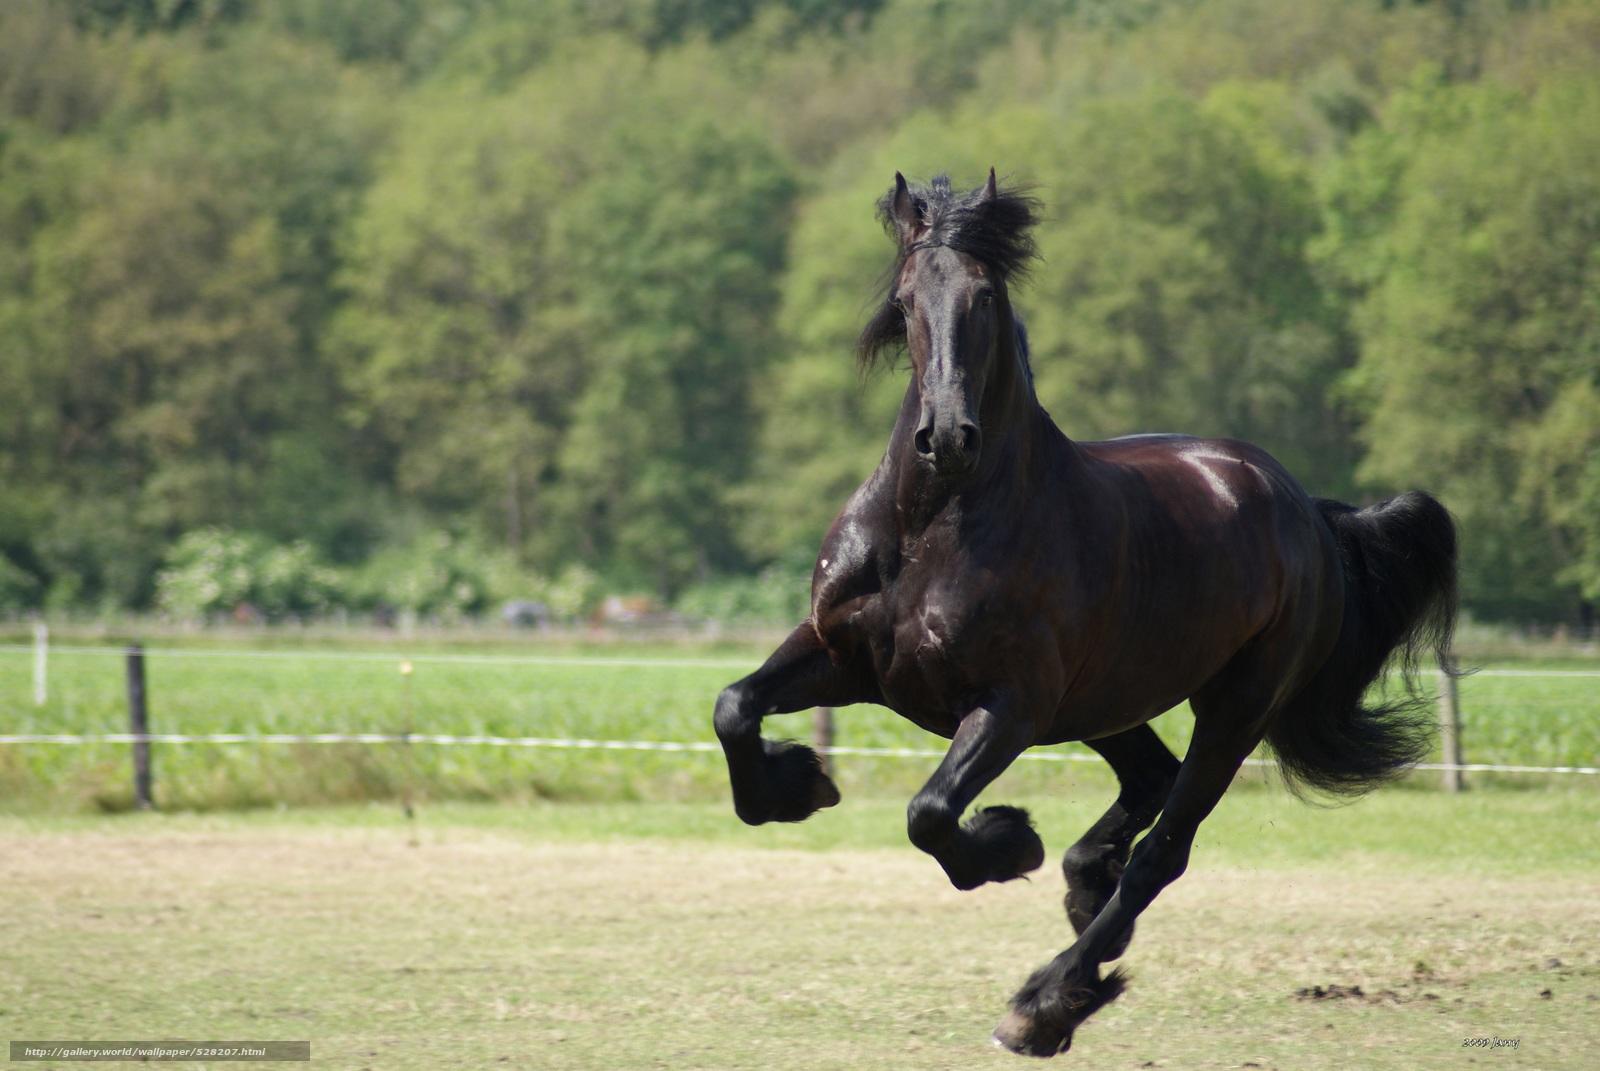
(580, 744)
(544, 660)
(577, 744)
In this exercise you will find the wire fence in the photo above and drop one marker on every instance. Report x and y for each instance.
(140, 738)
(578, 744)
(599, 661)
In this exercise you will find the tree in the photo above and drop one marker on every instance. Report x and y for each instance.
(173, 314)
(1176, 294)
(558, 304)
(1469, 232)
(680, 266)
(583, 280)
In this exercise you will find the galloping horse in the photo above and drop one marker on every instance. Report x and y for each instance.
(1003, 586)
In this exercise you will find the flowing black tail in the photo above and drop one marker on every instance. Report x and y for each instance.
(1400, 599)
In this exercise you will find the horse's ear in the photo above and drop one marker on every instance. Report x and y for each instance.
(903, 211)
(990, 192)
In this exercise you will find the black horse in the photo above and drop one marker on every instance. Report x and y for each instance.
(1003, 586)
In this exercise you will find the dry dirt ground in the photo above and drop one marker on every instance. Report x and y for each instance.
(461, 947)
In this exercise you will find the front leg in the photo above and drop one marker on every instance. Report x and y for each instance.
(999, 843)
(781, 781)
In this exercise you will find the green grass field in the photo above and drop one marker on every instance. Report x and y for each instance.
(625, 935)
(321, 688)
(606, 910)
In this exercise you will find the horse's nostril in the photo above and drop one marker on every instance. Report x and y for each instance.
(924, 441)
(971, 439)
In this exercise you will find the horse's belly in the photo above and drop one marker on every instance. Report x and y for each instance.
(1127, 689)
(1090, 718)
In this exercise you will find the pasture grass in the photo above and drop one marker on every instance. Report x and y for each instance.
(1527, 720)
(626, 935)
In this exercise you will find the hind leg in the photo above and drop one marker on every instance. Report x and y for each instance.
(781, 781)
(1145, 771)
(1064, 992)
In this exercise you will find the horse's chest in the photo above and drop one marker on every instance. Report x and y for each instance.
(918, 630)
(927, 655)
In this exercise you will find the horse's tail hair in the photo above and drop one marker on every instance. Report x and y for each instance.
(1399, 563)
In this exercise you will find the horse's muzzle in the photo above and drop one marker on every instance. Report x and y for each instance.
(952, 447)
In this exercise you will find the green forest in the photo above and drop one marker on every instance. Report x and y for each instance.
(318, 304)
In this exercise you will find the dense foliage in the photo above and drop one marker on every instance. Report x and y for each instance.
(308, 303)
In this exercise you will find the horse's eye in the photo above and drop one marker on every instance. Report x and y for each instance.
(901, 303)
(986, 298)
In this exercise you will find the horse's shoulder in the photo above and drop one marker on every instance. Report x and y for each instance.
(865, 524)
(853, 559)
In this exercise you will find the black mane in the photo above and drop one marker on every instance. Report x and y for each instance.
(994, 230)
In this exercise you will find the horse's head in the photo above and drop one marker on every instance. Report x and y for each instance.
(948, 305)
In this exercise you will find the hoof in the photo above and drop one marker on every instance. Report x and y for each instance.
(1045, 1013)
(793, 786)
(997, 844)
(1019, 1034)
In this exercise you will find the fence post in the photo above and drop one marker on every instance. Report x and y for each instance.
(408, 761)
(139, 725)
(1450, 731)
(822, 736)
(41, 663)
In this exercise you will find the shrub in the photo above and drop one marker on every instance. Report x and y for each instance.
(212, 571)
(442, 576)
(778, 595)
(573, 593)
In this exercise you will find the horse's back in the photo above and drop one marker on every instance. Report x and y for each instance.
(1220, 546)
(1218, 462)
